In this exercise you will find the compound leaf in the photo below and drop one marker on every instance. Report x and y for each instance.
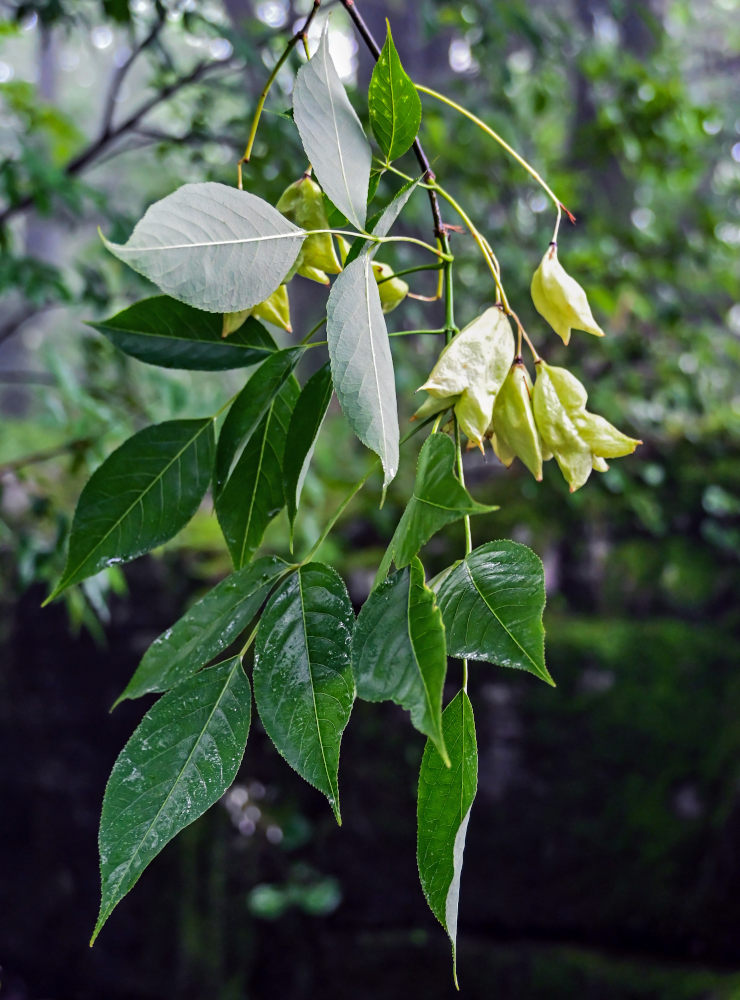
(141, 496)
(212, 246)
(399, 653)
(302, 676)
(446, 796)
(492, 604)
(180, 760)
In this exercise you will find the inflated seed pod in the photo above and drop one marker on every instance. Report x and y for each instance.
(392, 290)
(303, 204)
(560, 300)
(514, 429)
(276, 309)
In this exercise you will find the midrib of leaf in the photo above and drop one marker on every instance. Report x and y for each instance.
(124, 248)
(372, 351)
(336, 130)
(139, 499)
(501, 623)
(188, 340)
(104, 915)
(255, 485)
(416, 660)
(335, 804)
(393, 117)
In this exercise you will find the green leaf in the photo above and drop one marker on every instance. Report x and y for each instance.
(361, 362)
(212, 246)
(302, 676)
(249, 409)
(205, 630)
(162, 331)
(179, 761)
(305, 424)
(140, 497)
(332, 135)
(253, 493)
(399, 653)
(446, 796)
(438, 499)
(492, 604)
(395, 106)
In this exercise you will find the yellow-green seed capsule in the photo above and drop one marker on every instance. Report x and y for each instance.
(471, 370)
(579, 440)
(432, 405)
(392, 290)
(303, 204)
(514, 430)
(276, 309)
(232, 321)
(560, 300)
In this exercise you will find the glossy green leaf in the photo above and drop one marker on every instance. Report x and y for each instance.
(438, 499)
(162, 331)
(179, 761)
(332, 135)
(394, 104)
(361, 362)
(141, 496)
(253, 493)
(249, 410)
(212, 246)
(305, 424)
(492, 604)
(206, 629)
(398, 650)
(302, 676)
(446, 796)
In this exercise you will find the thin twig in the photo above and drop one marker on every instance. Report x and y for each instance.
(120, 73)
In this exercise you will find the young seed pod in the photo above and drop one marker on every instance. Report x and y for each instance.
(514, 432)
(232, 321)
(579, 440)
(472, 368)
(392, 290)
(276, 309)
(303, 204)
(560, 300)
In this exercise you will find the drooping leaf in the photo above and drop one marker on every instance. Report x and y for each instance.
(179, 761)
(212, 246)
(361, 362)
(305, 424)
(141, 496)
(302, 676)
(399, 652)
(205, 630)
(249, 409)
(446, 796)
(492, 604)
(438, 499)
(382, 223)
(162, 331)
(253, 493)
(332, 135)
(394, 104)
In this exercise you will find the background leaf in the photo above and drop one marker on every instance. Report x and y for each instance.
(253, 493)
(180, 760)
(212, 246)
(305, 424)
(438, 499)
(142, 495)
(302, 675)
(332, 135)
(206, 629)
(492, 604)
(394, 104)
(248, 410)
(361, 362)
(399, 653)
(445, 798)
(162, 331)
